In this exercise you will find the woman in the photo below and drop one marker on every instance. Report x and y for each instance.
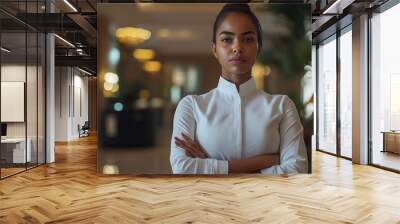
(236, 128)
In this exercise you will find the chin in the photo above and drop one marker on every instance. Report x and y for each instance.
(239, 72)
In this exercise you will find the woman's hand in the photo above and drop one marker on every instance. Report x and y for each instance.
(254, 164)
(191, 147)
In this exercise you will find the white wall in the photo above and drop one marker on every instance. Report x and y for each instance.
(61, 103)
(71, 94)
(33, 126)
(16, 73)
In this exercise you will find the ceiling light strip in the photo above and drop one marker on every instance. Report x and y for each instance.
(64, 40)
(84, 71)
(70, 5)
(5, 50)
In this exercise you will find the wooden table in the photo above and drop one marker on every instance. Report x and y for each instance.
(391, 141)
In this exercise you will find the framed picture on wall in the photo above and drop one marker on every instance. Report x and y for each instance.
(12, 101)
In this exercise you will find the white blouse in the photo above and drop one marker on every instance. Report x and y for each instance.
(232, 125)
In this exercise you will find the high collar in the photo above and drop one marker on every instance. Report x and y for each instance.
(230, 88)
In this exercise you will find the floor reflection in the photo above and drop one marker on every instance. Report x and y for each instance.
(152, 160)
(386, 159)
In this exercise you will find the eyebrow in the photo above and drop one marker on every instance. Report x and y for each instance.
(230, 33)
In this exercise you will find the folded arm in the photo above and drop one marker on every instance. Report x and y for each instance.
(293, 152)
(188, 157)
(182, 162)
(249, 165)
(253, 164)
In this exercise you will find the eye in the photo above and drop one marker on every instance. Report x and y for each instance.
(248, 39)
(226, 40)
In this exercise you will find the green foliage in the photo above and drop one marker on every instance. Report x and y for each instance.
(291, 51)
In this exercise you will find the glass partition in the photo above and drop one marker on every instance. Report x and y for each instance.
(31, 99)
(41, 88)
(385, 89)
(345, 93)
(327, 95)
(22, 90)
(13, 103)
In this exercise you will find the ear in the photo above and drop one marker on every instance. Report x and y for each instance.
(214, 50)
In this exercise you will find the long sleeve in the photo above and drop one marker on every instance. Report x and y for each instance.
(184, 123)
(293, 152)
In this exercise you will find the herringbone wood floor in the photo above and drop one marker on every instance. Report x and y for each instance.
(69, 191)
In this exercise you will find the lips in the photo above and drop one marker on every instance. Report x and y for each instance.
(236, 60)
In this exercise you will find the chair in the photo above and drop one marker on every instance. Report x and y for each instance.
(84, 130)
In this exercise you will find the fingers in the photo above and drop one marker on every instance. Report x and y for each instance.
(192, 148)
(200, 152)
(191, 151)
(189, 140)
(182, 144)
(194, 144)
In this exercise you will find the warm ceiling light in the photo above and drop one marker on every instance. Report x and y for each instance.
(132, 35)
(164, 33)
(5, 50)
(70, 5)
(175, 34)
(108, 86)
(144, 94)
(184, 34)
(111, 78)
(152, 66)
(144, 54)
(115, 88)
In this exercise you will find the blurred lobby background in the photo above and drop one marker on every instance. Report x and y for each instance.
(336, 59)
(152, 55)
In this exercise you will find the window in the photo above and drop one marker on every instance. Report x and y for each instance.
(346, 93)
(385, 89)
(327, 96)
(22, 75)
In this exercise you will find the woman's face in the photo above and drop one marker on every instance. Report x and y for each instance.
(236, 45)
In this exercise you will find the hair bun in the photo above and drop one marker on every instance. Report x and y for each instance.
(240, 6)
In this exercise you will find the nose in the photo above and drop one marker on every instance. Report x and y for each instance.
(237, 51)
(237, 47)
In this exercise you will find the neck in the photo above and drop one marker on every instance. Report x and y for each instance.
(237, 79)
